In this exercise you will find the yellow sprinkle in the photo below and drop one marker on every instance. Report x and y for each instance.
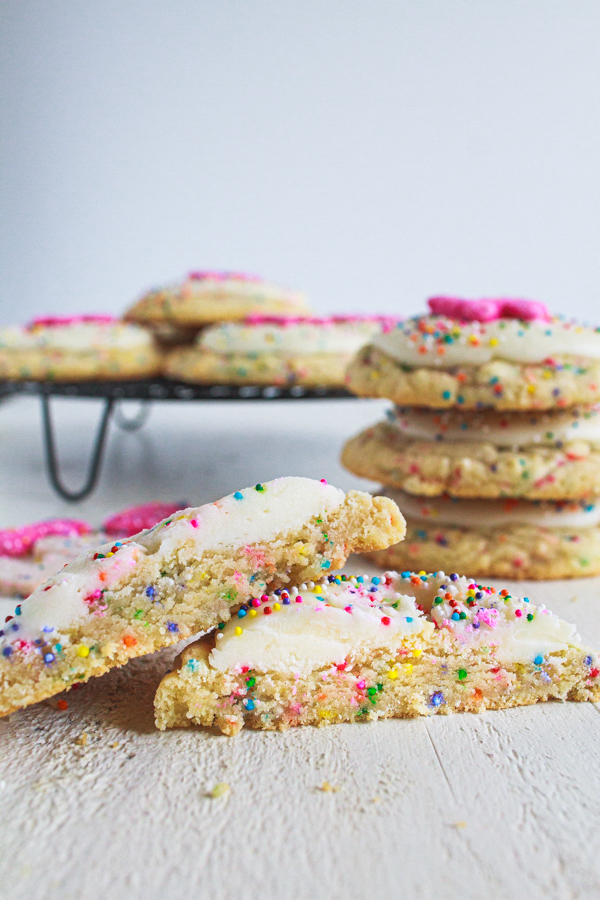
(219, 790)
(328, 788)
(109, 554)
(392, 674)
(252, 613)
(325, 713)
(82, 650)
(239, 630)
(417, 652)
(546, 374)
(531, 388)
(422, 572)
(276, 606)
(493, 342)
(317, 589)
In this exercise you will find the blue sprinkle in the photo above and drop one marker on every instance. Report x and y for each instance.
(49, 657)
(14, 627)
(373, 590)
(173, 626)
(58, 648)
(278, 590)
(526, 599)
(409, 618)
(48, 628)
(423, 577)
(360, 579)
(249, 703)
(241, 613)
(588, 660)
(454, 577)
(436, 699)
(539, 659)
(150, 592)
(478, 595)
(405, 574)
(476, 624)
(325, 564)
(286, 601)
(238, 495)
(18, 611)
(7, 651)
(375, 580)
(455, 616)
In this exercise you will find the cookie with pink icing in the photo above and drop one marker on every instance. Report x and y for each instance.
(75, 348)
(139, 518)
(20, 541)
(205, 297)
(283, 351)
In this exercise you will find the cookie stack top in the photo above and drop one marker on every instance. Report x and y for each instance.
(493, 447)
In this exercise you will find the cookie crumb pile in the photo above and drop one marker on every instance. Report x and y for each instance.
(493, 447)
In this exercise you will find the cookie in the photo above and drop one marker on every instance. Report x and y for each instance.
(537, 456)
(356, 649)
(206, 297)
(21, 574)
(77, 348)
(180, 578)
(505, 363)
(138, 518)
(517, 539)
(280, 351)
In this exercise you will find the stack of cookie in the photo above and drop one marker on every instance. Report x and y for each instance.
(493, 449)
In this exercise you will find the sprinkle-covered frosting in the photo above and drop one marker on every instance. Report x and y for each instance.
(502, 429)
(77, 334)
(293, 335)
(341, 618)
(138, 518)
(437, 341)
(253, 515)
(494, 513)
(20, 541)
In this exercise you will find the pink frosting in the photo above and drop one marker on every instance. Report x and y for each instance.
(138, 518)
(223, 276)
(19, 541)
(61, 321)
(387, 322)
(488, 310)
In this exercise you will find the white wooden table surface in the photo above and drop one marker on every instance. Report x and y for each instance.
(97, 805)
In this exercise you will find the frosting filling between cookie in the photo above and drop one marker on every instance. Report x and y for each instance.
(497, 513)
(80, 337)
(518, 430)
(296, 337)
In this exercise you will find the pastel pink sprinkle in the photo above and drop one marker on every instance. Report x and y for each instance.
(138, 518)
(62, 321)
(222, 276)
(361, 685)
(518, 613)
(194, 523)
(298, 599)
(485, 310)
(255, 601)
(323, 481)
(19, 541)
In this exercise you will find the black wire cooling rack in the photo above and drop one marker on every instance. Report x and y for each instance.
(145, 391)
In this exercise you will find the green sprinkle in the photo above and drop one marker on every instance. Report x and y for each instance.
(462, 674)
(251, 682)
(259, 487)
(138, 614)
(529, 617)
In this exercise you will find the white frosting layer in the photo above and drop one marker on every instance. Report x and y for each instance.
(252, 290)
(436, 341)
(290, 339)
(518, 430)
(249, 516)
(79, 337)
(322, 629)
(345, 621)
(493, 513)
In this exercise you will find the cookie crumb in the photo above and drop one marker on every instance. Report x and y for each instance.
(328, 788)
(82, 739)
(460, 824)
(220, 790)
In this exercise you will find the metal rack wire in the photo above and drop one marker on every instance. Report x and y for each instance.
(145, 391)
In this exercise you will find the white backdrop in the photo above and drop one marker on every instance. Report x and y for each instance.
(370, 153)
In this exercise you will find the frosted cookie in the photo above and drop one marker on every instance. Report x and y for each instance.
(182, 577)
(20, 541)
(138, 518)
(30, 555)
(539, 456)
(354, 649)
(281, 351)
(509, 355)
(205, 297)
(518, 539)
(77, 348)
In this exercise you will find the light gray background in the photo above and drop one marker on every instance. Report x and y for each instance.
(370, 153)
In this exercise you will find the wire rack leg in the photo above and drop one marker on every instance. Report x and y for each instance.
(140, 418)
(96, 458)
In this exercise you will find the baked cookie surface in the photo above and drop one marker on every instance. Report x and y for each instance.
(359, 648)
(538, 456)
(516, 539)
(77, 348)
(206, 297)
(182, 576)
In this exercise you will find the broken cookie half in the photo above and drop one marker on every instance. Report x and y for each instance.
(347, 649)
(182, 577)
